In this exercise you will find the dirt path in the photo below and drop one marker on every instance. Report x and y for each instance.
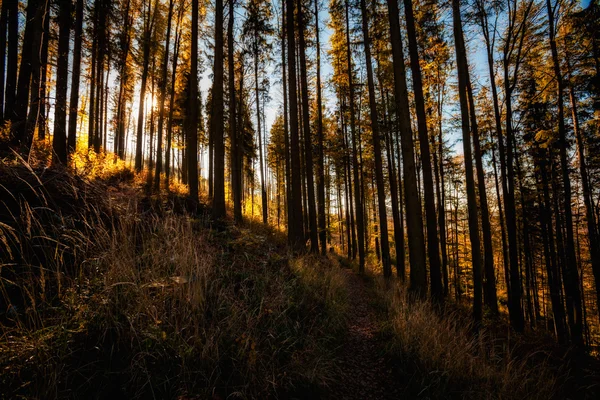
(364, 370)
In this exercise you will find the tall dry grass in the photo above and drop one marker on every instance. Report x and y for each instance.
(103, 296)
(439, 355)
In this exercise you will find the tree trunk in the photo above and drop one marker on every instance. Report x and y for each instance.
(321, 160)
(308, 160)
(217, 102)
(359, 211)
(59, 142)
(385, 247)
(235, 153)
(161, 101)
(572, 274)
(75, 78)
(463, 83)
(12, 58)
(192, 121)
(414, 220)
(433, 245)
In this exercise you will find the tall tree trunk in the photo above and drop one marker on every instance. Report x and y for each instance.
(308, 159)
(385, 247)
(514, 302)
(321, 157)
(263, 191)
(36, 66)
(574, 309)
(3, 27)
(59, 142)
(359, 211)
(75, 78)
(433, 244)
(286, 132)
(593, 240)
(235, 153)
(297, 235)
(29, 52)
(217, 102)
(172, 100)
(489, 286)
(414, 219)
(161, 101)
(12, 57)
(192, 128)
(147, 34)
(42, 120)
(463, 83)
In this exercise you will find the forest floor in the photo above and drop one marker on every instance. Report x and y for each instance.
(366, 372)
(107, 291)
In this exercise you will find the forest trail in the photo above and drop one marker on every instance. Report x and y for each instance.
(365, 372)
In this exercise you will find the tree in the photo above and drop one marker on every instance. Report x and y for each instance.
(414, 220)
(59, 142)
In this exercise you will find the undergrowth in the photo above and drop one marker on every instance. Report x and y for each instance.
(441, 355)
(108, 293)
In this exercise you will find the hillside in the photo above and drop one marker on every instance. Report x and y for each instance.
(109, 292)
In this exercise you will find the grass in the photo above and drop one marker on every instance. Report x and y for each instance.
(442, 356)
(105, 293)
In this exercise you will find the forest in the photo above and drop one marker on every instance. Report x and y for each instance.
(362, 199)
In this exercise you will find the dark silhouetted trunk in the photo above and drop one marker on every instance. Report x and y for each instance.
(59, 142)
(414, 219)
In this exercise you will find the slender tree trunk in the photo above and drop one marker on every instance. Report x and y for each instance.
(192, 128)
(463, 83)
(148, 28)
(297, 235)
(29, 52)
(217, 101)
(172, 100)
(161, 101)
(36, 67)
(489, 287)
(42, 119)
(433, 245)
(59, 143)
(385, 247)
(321, 159)
(235, 153)
(12, 57)
(259, 132)
(3, 28)
(75, 79)
(414, 220)
(572, 274)
(359, 211)
(308, 159)
(593, 240)
(286, 132)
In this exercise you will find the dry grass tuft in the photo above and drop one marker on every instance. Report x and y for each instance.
(442, 357)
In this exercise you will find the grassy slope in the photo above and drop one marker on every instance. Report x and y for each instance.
(108, 293)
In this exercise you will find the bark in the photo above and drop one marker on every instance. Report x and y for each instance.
(235, 153)
(192, 120)
(321, 159)
(574, 307)
(359, 211)
(383, 228)
(217, 102)
(433, 244)
(463, 78)
(297, 234)
(161, 101)
(75, 78)
(414, 220)
(59, 142)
